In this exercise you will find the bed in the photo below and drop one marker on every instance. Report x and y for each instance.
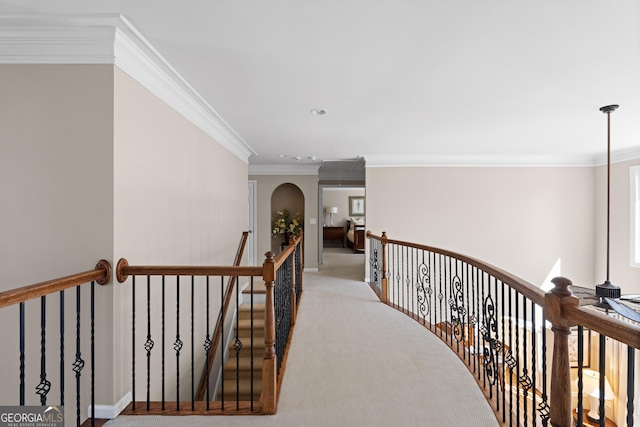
(355, 234)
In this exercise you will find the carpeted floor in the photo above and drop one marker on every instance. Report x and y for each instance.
(357, 362)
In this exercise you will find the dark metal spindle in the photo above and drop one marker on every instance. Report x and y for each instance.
(193, 384)
(511, 365)
(93, 355)
(533, 362)
(177, 344)
(251, 352)
(62, 348)
(163, 342)
(149, 344)
(580, 408)
(133, 342)
(602, 368)
(78, 364)
(22, 385)
(43, 387)
(525, 389)
(207, 343)
(222, 343)
(630, 384)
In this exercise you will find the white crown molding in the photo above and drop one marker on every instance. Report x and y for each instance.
(111, 39)
(284, 169)
(378, 161)
(618, 156)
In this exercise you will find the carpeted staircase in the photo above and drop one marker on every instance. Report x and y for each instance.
(243, 362)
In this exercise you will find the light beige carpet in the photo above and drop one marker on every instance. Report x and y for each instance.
(357, 362)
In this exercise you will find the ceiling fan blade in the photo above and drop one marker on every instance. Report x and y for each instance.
(623, 310)
(585, 295)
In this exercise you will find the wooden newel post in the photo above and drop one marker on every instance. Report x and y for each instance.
(560, 403)
(385, 281)
(269, 378)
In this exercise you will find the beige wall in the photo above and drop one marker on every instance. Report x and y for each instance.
(308, 184)
(180, 198)
(56, 187)
(338, 197)
(523, 220)
(95, 166)
(621, 273)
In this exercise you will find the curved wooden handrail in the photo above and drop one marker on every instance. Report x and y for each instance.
(527, 289)
(101, 274)
(617, 329)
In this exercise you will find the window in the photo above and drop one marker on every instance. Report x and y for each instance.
(634, 178)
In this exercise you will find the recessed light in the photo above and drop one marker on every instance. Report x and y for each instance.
(297, 159)
(283, 155)
(318, 112)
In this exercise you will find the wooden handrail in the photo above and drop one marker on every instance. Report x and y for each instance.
(123, 270)
(220, 322)
(101, 274)
(527, 289)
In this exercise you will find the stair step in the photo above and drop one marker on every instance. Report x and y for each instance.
(244, 363)
(244, 311)
(244, 387)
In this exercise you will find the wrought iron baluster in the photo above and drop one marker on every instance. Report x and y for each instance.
(149, 343)
(93, 354)
(601, 368)
(133, 343)
(503, 356)
(177, 344)
(510, 360)
(62, 348)
(544, 409)
(252, 333)
(525, 382)
(517, 357)
(207, 342)
(222, 342)
(630, 384)
(78, 364)
(193, 384)
(163, 342)
(237, 347)
(22, 367)
(44, 386)
(533, 363)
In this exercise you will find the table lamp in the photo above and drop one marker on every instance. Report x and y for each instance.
(331, 210)
(591, 387)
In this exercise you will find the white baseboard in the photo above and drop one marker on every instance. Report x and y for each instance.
(311, 270)
(109, 412)
(367, 280)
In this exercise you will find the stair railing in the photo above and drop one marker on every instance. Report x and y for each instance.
(76, 332)
(498, 325)
(202, 283)
(203, 389)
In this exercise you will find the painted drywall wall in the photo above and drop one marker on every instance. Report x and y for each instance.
(621, 273)
(180, 199)
(308, 184)
(524, 220)
(338, 197)
(56, 186)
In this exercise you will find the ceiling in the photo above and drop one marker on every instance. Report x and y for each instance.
(419, 79)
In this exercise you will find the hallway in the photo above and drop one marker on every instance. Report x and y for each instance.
(356, 362)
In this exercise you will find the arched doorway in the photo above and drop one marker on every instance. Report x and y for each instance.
(285, 196)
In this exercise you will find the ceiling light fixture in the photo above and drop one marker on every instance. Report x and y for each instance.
(318, 112)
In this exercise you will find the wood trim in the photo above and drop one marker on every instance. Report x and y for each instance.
(101, 274)
(200, 408)
(124, 270)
